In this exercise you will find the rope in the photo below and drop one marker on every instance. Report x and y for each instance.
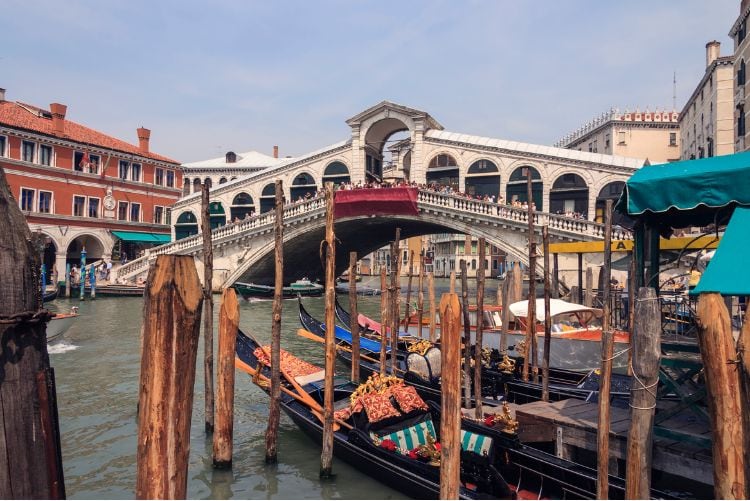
(643, 387)
(616, 355)
(29, 317)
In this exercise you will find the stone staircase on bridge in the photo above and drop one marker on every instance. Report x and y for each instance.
(470, 212)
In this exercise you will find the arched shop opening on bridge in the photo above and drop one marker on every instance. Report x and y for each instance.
(303, 186)
(569, 194)
(196, 185)
(483, 179)
(242, 206)
(94, 250)
(386, 131)
(336, 173)
(611, 191)
(443, 170)
(268, 198)
(216, 215)
(517, 188)
(186, 225)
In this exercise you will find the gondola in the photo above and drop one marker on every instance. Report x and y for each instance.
(504, 467)
(303, 287)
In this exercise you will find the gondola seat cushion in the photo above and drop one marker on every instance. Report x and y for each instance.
(417, 363)
(408, 399)
(378, 407)
(433, 356)
(410, 437)
(474, 442)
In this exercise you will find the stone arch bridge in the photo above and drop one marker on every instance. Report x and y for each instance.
(244, 251)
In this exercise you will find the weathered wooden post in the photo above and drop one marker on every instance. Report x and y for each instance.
(384, 305)
(723, 395)
(171, 328)
(408, 291)
(450, 423)
(479, 329)
(547, 316)
(82, 274)
(645, 344)
(467, 332)
(580, 279)
(395, 295)
(67, 280)
(208, 313)
(632, 281)
(605, 379)
(274, 409)
(229, 321)
(555, 277)
(354, 324)
(433, 312)
(743, 346)
(452, 282)
(420, 296)
(506, 301)
(531, 341)
(30, 442)
(92, 281)
(517, 282)
(326, 456)
(588, 297)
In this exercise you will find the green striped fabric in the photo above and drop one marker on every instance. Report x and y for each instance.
(475, 442)
(411, 437)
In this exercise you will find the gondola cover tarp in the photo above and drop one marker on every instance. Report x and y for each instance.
(376, 201)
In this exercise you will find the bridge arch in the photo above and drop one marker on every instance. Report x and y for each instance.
(610, 191)
(516, 188)
(268, 198)
(303, 186)
(376, 132)
(483, 178)
(569, 193)
(186, 225)
(242, 206)
(196, 185)
(222, 180)
(217, 216)
(95, 248)
(443, 169)
(337, 173)
(208, 182)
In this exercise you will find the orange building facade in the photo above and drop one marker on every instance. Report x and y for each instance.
(81, 189)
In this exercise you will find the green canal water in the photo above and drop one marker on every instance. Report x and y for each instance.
(97, 366)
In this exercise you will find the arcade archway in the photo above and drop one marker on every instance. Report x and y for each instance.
(483, 179)
(242, 206)
(611, 191)
(267, 198)
(303, 186)
(186, 225)
(93, 246)
(336, 173)
(517, 188)
(443, 170)
(569, 195)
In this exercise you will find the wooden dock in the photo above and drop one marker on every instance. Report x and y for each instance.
(568, 428)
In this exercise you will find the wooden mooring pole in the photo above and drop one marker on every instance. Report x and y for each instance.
(384, 305)
(467, 332)
(354, 321)
(505, 312)
(229, 321)
(274, 409)
(724, 396)
(171, 328)
(743, 345)
(452, 282)
(588, 297)
(547, 316)
(605, 378)
(420, 296)
(208, 306)
(408, 291)
(433, 306)
(531, 348)
(450, 423)
(479, 329)
(646, 348)
(29, 442)
(326, 456)
(395, 296)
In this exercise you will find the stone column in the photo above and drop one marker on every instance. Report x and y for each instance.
(60, 265)
(358, 157)
(418, 172)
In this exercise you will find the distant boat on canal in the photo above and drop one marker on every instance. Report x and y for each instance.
(303, 287)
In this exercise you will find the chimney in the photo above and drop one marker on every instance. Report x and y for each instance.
(713, 49)
(275, 152)
(58, 117)
(143, 136)
(2, 94)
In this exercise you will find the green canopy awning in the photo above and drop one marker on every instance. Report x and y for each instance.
(728, 273)
(139, 236)
(688, 193)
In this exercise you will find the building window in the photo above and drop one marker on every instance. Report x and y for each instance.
(672, 139)
(45, 202)
(122, 211)
(27, 151)
(45, 154)
(596, 147)
(621, 137)
(79, 203)
(170, 179)
(3, 141)
(741, 31)
(27, 199)
(93, 207)
(741, 121)
(158, 214)
(168, 216)
(591, 147)
(124, 169)
(135, 172)
(606, 142)
(94, 161)
(135, 212)
(741, 73)
(159, 177)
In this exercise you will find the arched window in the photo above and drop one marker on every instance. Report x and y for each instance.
(216, 214)
(186, 188)
(741, 73)
(483, 179)
(242, 205)
(222, 180)
(186, 225)
(268, 198)
(208, 182)
(443, 170)
(196, 185)
(517, 187)
(231, 157)
(611, 191)
(336, 173)
(303, 186)
(569, 195)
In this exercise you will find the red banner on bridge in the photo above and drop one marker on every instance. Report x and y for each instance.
(401, 201)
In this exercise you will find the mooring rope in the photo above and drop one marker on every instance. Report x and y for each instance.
(643, 387)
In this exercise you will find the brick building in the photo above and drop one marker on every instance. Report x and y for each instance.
(80, 188)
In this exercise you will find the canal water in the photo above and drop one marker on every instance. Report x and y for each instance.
(97, 366)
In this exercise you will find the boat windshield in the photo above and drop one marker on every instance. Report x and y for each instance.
(574, 321)
(492, 319)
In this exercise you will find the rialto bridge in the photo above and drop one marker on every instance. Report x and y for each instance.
(563, 182)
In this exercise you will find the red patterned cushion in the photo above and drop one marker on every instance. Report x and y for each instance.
(378, 407)
(343, 414)
(408, 398)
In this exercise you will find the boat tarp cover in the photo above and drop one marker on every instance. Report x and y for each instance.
(139, 236)
(345, 335)
(400, 201)
(727, 273)
(556, 307)
(690, 192)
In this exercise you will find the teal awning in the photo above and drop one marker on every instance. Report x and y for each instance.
(139, 236)
(728, 273)
(688, 193)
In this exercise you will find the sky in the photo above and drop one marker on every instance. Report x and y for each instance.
(210, 77)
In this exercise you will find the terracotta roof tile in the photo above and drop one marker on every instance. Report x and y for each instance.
(32, 118)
